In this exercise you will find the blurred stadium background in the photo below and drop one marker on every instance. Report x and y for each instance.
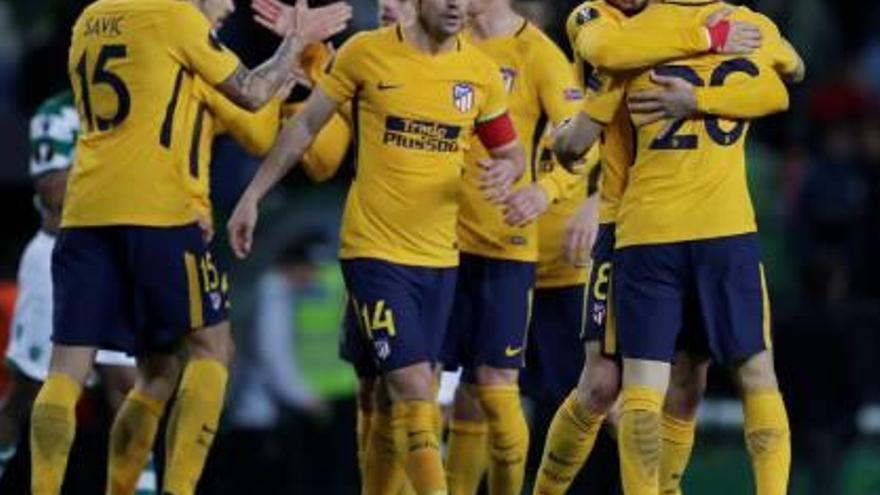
(815, 175)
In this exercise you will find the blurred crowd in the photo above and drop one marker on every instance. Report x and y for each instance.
(815, 175)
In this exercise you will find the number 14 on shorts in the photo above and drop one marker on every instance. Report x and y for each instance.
(377, 318)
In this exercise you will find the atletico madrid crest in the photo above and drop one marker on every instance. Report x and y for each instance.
(463, 97)
(509, 76)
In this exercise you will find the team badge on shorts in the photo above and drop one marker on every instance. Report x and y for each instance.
(463, 97)
(509, 76)
(598, 313)
(383, 349)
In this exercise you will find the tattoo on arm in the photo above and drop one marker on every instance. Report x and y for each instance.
(251, 89)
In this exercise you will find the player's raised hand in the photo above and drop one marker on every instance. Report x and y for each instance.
(732, 37)
(526, 205)
(275, 16)
(580, 233)
(674, 99)
(316, 25)
(241, 227)
(497, 177)
(312, 24)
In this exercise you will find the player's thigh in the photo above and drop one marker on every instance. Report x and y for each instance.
(687, 384)
(756, 374)
(92, 290)
(649, 290)
(389, 304)
(732, 296)
(599, 384)
(598, 304)
(502, 291)
(181, 289)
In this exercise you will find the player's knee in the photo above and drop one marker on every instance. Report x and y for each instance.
(599, 386)
(687, 387)
(466, 406)
(683, 399)
(214, 342)
(487, 375)
(410, 383)
(73, 362)
(757, 373)
(157, 375)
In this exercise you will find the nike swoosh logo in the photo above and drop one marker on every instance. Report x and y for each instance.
(386, 86)
(512, 351)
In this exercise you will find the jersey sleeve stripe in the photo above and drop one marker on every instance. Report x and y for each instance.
(491, 116)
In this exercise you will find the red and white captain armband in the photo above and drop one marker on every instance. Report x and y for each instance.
(718, 34)
(496, 132)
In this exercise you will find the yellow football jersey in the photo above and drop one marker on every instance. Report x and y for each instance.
(688, 181)
(209, 113)
(553, 269)
(131, 64)
(414, 116)
(541, 87)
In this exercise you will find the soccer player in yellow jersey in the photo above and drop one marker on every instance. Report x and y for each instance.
(419, 93)
(683, 211)
(554, 355)
(599, 385)
(498, 254)
(131, 268)
(320, 163)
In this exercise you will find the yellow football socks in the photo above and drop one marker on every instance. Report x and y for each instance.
(678, 442)
(384, 473)
(131, 441)
(193, 424)
(364, 424)
(508, 438)
(768, 441)
(468, 456)
(570, 440)
(53, 427)
(639, 440)
(424, 462)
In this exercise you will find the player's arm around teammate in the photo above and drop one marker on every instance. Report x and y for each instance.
(597, 389)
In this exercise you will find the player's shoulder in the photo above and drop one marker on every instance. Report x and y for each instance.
(538, 48)
(373, 38)
(588, 13)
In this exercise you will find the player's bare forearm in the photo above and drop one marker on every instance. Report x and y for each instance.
(292, 143)
(252, 89)
(513, 153)
(573, 140)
